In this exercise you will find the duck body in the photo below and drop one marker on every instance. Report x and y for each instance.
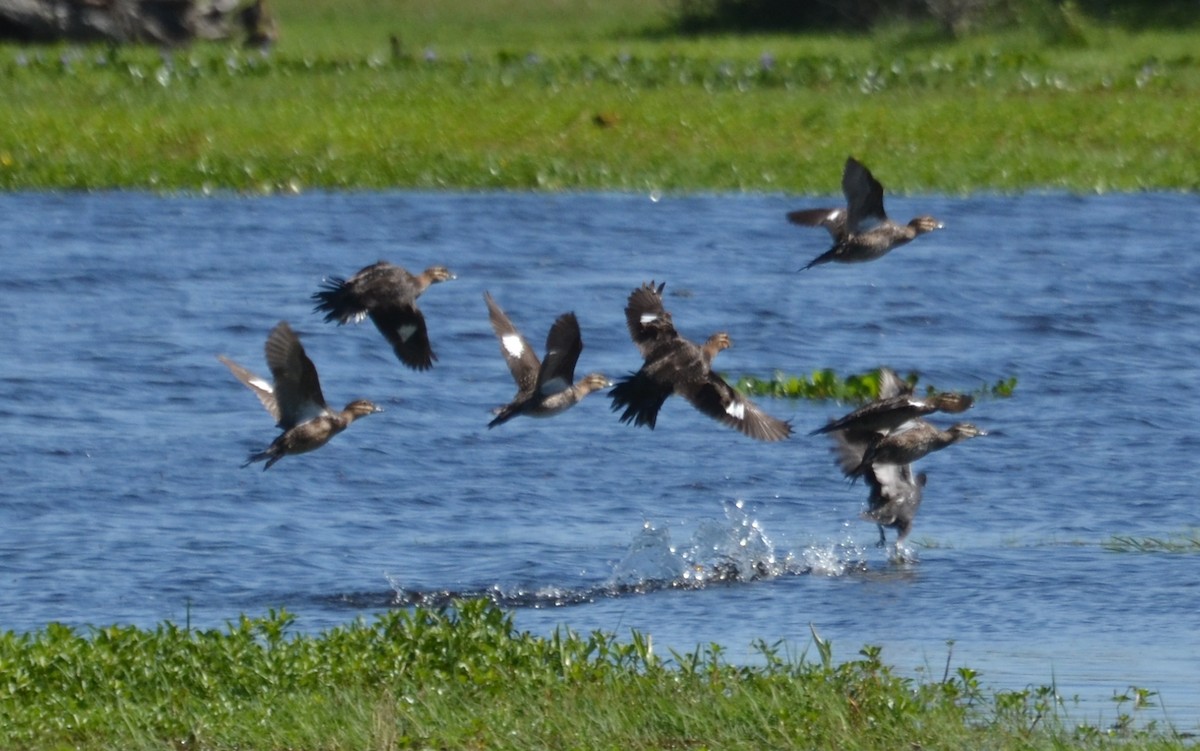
(388, 295)
(311, 434)
(861, 231)
(675, 365)
(547, 387)
(294, 399)
(912, 441)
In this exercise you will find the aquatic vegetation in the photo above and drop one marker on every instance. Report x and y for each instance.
(336, 107)
(855, 388)
(463, 677)
(1181, 543)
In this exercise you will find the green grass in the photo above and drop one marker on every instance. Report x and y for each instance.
(466, 679)
(549, 95)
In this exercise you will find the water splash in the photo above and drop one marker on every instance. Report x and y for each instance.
(722, 552)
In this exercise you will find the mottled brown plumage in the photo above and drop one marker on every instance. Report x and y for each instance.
(861, 230)
(674, 365)
(388, 294)
(294, 399)
(548, 387)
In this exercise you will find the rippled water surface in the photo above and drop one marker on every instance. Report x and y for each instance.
(121, 435)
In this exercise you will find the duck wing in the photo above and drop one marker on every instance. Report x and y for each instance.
(522, 361)
(850, 447)
(403, 325)
(891, 384)
(722, 402)
(563, 346)
(880, 415)
(864, 197)
(297, 388)
(833, 220)
(648, 321)
(261, 387)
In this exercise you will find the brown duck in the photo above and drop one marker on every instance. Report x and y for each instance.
(388, 294)
(861, 231)
(910, 442)
(294, 399)
(674, 365)
(547, 387)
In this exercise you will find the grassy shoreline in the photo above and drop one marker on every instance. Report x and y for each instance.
(465, 678)
(543, 95)
(553, 102)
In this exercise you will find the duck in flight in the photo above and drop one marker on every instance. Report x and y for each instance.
(675, 365)
(388, 294)
(546, 387)
(861, 230)
(876, 444)
(294, 399)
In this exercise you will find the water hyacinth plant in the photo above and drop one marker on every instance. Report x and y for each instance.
(853, 389)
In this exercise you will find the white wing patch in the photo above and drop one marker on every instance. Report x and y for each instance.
(648, 318)
(512, 345)
(359, 316)
(406, 331)
(262, 385)
(736, 410)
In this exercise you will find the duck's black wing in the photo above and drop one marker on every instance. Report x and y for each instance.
(648, 321)
(297, 387)
(563, 347)
(864, 197)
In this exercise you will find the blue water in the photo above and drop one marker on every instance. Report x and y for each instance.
(121, 435)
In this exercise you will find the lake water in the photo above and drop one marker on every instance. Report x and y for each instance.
(121, 435)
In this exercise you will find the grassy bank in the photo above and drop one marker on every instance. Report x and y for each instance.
(441, 679)
(546, 95)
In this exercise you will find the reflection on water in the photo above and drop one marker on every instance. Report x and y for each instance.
(122, 434)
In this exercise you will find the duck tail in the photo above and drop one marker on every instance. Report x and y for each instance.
(338, 302)
(503, 415)
(639, 399)
(268, 454)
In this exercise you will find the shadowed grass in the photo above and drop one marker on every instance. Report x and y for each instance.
(464, 679)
